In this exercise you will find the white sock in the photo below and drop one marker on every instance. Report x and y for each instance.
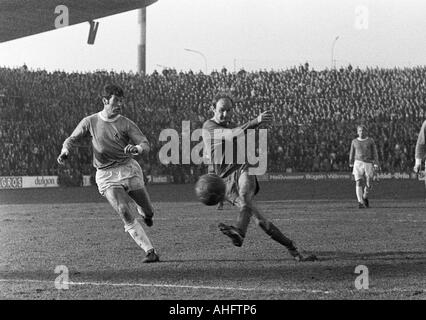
(138, 234)
(359, 194)
(366, 189)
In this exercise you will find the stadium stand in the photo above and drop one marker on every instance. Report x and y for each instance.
(315, 114)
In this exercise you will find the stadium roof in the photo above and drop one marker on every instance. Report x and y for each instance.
(21, 18)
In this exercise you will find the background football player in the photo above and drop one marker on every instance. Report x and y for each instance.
(364, 160)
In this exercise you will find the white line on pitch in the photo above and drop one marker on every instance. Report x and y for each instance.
(165, 285)
(176, 286)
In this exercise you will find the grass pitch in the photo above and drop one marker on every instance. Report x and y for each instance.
(41, 229)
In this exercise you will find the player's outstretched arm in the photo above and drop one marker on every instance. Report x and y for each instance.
(352, 155)
(264, 117)
(141, 144)
(420, 148)
(417, 165)
(79, 132)
(375, 155)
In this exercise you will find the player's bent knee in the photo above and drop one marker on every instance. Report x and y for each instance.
(247, 185)
(245, 202)
(246, 210)
(368, 182)
(246, 196)
(124, 211)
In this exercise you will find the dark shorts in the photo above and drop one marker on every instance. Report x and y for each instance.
(232, 187)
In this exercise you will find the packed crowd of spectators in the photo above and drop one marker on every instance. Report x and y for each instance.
(316, 113)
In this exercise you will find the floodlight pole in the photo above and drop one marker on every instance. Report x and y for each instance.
(142, 43)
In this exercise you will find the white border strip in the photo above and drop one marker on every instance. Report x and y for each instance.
(177, 286)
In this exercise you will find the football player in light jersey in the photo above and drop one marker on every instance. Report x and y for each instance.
(420, 151)
(241, 187)
(115, 139)
(364, 159)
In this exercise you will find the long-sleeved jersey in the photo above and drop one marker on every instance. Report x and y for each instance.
(420, 145)
(109, 138)
(215, 147)
(363, 150)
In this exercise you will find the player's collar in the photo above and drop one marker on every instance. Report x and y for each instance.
(221, 124)
(106, 119)
(359, 139)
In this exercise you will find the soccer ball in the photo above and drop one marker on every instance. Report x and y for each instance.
(210, 189)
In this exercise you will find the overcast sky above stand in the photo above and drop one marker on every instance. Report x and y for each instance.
(249, 34)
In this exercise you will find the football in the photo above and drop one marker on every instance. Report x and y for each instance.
(210, 189)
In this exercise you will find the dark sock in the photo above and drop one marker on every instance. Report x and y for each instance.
(275, 233)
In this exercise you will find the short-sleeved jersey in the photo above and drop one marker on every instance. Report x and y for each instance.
(215, 148)
(420, 145)
(109, 138)
(363, 150)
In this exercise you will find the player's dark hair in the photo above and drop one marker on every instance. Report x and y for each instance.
(362, 126)
(222, 95)
(112, 89)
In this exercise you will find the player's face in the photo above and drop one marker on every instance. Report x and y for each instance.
(114, 105)
(222, 112)
(361, 132)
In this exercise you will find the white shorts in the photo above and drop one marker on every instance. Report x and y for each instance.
(362, 168)
(128, 176)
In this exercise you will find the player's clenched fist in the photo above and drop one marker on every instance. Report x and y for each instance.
(62, 157)
(135, 149)
(131, 149)
(265, 116)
